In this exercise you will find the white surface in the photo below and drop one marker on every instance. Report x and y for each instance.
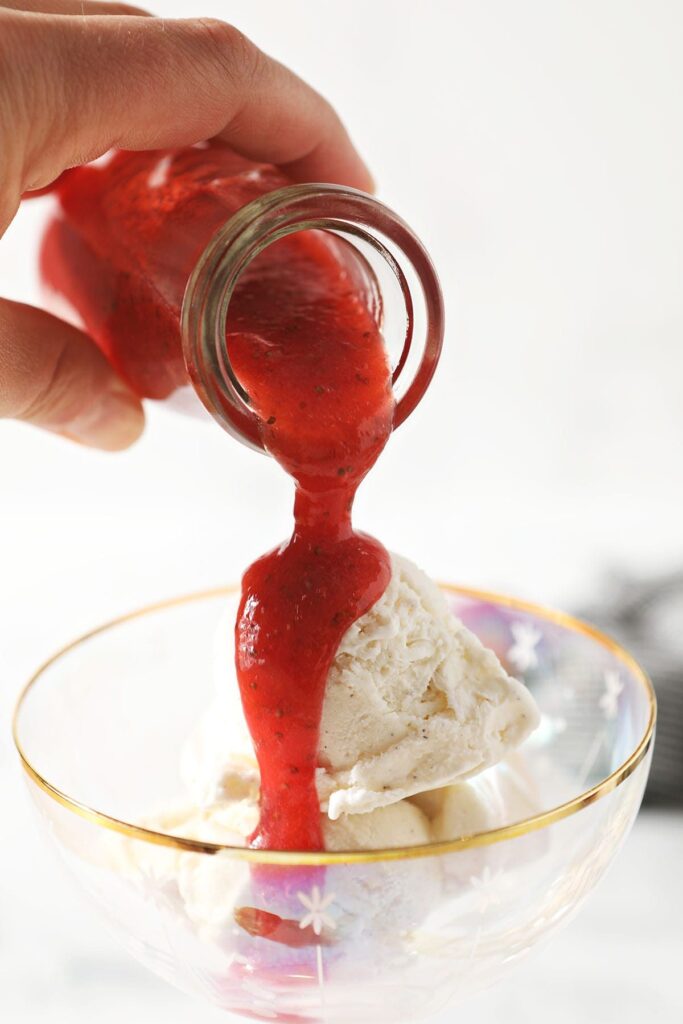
(538, 149)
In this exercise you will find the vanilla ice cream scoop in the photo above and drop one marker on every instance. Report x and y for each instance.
(413, 702)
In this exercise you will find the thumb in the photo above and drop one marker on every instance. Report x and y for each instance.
(53, 376)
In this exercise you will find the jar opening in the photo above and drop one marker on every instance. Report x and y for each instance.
(390, 265)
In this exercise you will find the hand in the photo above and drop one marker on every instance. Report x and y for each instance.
(80, 78)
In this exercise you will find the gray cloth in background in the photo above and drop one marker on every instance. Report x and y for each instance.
(646, 617)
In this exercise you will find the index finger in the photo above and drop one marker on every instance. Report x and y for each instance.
(146, 83)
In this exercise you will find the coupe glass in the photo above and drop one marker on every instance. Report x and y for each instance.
(382, 935)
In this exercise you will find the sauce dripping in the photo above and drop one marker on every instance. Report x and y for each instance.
(304, 344)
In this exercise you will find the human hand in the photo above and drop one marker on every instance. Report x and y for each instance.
(79, 78)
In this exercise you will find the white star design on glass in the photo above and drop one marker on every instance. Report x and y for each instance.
(609, 702)
(316, 904)
(522, 653)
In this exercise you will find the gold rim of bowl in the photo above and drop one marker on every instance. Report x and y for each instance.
(287, 857)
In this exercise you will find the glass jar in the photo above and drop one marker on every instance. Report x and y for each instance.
(158, 256)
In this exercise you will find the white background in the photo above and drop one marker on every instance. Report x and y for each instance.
(537, 148)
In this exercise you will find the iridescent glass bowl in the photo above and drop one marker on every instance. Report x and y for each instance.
(382, 935)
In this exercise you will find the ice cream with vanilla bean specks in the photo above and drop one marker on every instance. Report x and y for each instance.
(416, 715)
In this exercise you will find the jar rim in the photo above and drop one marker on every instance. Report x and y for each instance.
(266, 219)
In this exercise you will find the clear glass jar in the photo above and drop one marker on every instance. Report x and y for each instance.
(148, 251)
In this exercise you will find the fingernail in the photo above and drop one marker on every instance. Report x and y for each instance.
(113, 422)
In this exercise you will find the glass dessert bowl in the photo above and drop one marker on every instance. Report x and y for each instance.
(368, 935)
